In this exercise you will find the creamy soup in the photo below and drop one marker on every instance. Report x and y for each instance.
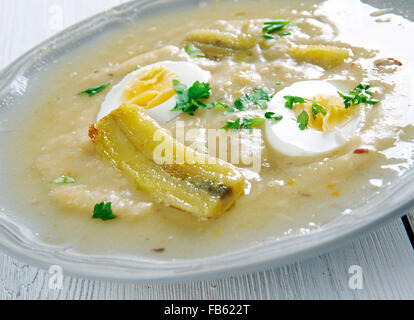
(287, 192)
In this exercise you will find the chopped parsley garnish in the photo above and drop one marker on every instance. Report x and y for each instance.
(276, 26)
(188, 99)
(268, 36)
(263, 95)
(217, 105)
(242, 103)
(103, 211)
(94, 90)
(232, 125)
(291, 100)
(273, 116)
(284, 33)
(137, 68)
(248, 123)
(303, 120)
(317, 108)
(193, 51)
(361, 94)
(259, 97)
(63, 180)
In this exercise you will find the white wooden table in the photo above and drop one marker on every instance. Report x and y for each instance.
(386, 256)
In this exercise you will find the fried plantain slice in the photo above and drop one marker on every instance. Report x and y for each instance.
(172, 173)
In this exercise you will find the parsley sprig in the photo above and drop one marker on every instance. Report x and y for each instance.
(218, 105)
(291, 100)
(63, 180)
(103, 211)
(248, 123)
(317, 108)
(193, 51)
(276, 26)
(188, 99)
(302, 118)
(95, 90)
(259, 97)
(232, 125)
(273, 116)
(361, 94)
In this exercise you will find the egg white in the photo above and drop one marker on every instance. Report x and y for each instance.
(188, 73)
(286, 137)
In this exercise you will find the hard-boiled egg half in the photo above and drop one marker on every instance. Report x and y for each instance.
(151, 87)
(324, 133)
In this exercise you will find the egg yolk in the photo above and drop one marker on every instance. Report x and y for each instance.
(336, 114)
(151, 87)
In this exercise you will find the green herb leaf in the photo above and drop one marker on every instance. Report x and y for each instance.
(273, 116)
(276, 26)
(317, 108)
(179, 87)
(217, 105)
(262, 104)
(303, 120)
(291, 100)
(230, 111)
(94, 90)
(250, 123)
(263, 94)
(199, 90)
(259, 97)
(188, 100)
(232, 125)
(63, 180)
(268, 36)
(242, 103)
(361, 94)
(348, 99)
(193, 51)
(103, 211)
(284, 33)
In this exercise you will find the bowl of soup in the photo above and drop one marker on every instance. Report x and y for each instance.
(175, 139)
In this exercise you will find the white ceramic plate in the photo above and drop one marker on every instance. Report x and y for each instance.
(17, 240)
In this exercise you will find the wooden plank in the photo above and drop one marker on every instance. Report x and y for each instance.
(25, 23)
(410, 217)
(385, 256)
